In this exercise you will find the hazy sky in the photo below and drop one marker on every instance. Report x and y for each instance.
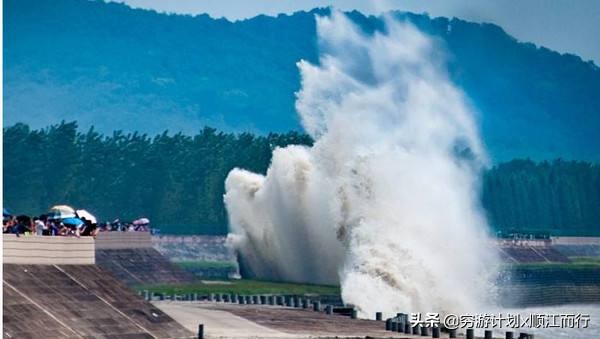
(564, 25)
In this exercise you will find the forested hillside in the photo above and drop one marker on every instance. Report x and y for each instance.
(116, 68)
(178, 181)
(560, 197)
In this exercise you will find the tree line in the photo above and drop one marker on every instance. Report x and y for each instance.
(557, 197)
(177, 180)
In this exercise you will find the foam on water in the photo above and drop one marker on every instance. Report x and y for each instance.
(386, 201)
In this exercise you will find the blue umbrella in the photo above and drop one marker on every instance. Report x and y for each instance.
(72, 221)
(61, 212)
(5, 212)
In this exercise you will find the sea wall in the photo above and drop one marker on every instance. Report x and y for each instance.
(530, 286)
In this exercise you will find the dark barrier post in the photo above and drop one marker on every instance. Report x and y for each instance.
(415, 330)
(298, 301)
(400, 326)
(354, 314)
(452, 333)
(329, 309)
(201, 331)
(378, 316)
(249, 299)
(470, 333)
(211, 297)
(219, 297)
(487, 334)
(424, 331)
(263, 299)
(256, 299)
(401, 322)
(161, 296)
(305, 303)
(407, 328)
(435, 332)
(388, 324)
(394, 327)
(316, 306)
(291, 302)
(242, 300)
(510, 335)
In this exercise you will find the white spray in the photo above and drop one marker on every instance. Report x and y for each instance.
(386, 202)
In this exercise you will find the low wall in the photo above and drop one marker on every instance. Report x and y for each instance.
(48, 250)
(123, 240)
(44, 250)
(576, 241)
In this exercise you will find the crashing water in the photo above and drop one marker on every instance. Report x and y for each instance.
(386, 201)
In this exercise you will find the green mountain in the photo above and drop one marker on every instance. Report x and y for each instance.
(107, 65)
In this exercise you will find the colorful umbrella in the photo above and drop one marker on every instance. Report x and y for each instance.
(83, 214)
(61, 212)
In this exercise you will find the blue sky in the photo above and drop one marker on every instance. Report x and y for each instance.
(564, 25)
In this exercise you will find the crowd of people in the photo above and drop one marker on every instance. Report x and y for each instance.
(53, 224)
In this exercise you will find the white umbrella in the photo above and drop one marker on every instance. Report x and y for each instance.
(83, 214)
(141, 221)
